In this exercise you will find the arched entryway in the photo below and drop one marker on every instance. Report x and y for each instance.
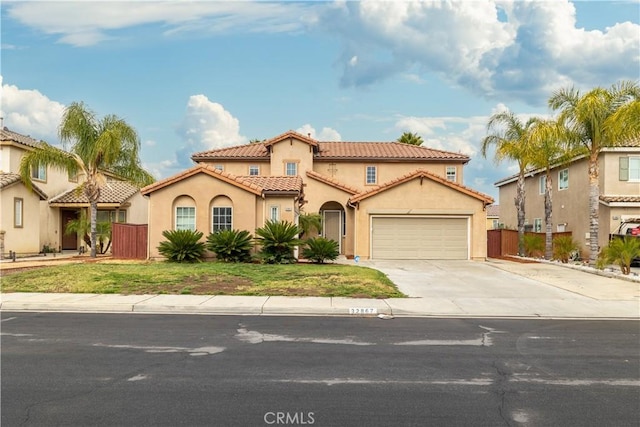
(333, 222)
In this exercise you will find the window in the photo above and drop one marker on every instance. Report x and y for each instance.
(274, 213)
(563, 179)
(254, 170)
(451, 173)
(291, 169)
(634, 169)
(496, 224)
(39, 172)
(372, 177)
(537, 225)
(73, 177)
(110, 216)
(222, 216)
(543, 184)
(185, 218)
(18, 209)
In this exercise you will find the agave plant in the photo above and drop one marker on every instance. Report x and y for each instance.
(231, 245)
(278, 240)
(320, 250)
(182, 245)
(622, 252)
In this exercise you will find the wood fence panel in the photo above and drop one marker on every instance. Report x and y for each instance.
(505, 242)
(129, 241)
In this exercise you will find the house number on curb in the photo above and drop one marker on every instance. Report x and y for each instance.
(363, 310)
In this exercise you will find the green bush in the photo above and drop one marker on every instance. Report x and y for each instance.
(182, 245)
(278, 240)
(564, 247)
(320, 249)
(622, 252)
(231, 245)
(533, 245)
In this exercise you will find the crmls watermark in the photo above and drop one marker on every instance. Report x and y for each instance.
(289, 418)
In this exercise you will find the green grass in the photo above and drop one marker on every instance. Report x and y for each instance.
(207, 278)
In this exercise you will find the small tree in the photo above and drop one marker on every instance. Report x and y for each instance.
(278, 240)
(320, 250)
(310, 222)
(622, 252)
(563, 247)
(231, 245)
(82, 226)
(182, 245)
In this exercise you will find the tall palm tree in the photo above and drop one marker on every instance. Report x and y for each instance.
(549, 148)
(510, 136)
(410, 138)
(109, 145)
(597, 119)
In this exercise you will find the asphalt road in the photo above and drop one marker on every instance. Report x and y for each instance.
(173, 370)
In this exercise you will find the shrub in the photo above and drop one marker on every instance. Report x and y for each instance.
(320, 249)
(278, 239)
(533, 245)
(310, 223)
(231, 245)
(564, 247)
(622, 251)
(182, 245)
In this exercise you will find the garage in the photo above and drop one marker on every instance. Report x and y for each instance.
(419, 238)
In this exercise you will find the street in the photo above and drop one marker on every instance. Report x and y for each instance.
(171, 370)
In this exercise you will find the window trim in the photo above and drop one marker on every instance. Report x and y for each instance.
(175, 225)
(637, 159)
(367, 175)
(255, 168)
(213, 218)
(542, 184)
(286, 167)
(35, 173)
(18, 214)
(455, 173)
(560, 180)
(276, 209)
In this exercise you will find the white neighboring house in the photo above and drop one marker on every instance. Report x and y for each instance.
(31, 221)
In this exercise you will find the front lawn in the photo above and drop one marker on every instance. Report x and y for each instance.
(207, 278)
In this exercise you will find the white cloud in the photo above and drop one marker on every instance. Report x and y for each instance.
(206, 126)
(29, 112)
(326, 134)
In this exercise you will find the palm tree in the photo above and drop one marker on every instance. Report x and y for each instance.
(549, 149)
(109, 145)
(82, 226)
(310, 222)
(410, 138)
(511, 138)
(597, 119)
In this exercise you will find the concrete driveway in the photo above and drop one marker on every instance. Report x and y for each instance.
(506, 288)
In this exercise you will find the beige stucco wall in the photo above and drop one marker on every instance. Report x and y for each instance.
(610, 176)
(241, 168)
(291, 150)
(138, 211)
(25, 240)
(423, 199)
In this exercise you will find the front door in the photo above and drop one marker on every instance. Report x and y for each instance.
(332, 226)
(69, 241)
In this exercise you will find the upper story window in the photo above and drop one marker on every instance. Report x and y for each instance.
(186, 218)
(372, 175)
(254, 170)
(543, 184)
(39, 173)
(222, 218)
(18, 210)
(451, 173)
(274, 213)
(630, 168)
(291, 169)
(563, 179)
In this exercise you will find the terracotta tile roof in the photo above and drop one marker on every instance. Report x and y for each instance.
(291, 134)
(493, 210)
(7, 179)
(421, 173)
(332, 182)
(114, 192)
(8, 135)
(253, 184)
(619, 199)
(256, 151)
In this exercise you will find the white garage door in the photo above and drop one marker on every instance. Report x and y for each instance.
(419, 238)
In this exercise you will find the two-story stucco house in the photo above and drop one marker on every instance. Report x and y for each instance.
(382, 200)
(31, 220)
(619, 184)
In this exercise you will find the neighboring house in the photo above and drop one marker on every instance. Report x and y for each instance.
(32, 220)
(382, 200)
(493, 217)
(619, 195)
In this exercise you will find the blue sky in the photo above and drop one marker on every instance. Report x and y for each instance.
(196, 75)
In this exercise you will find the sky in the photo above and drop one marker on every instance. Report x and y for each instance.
(196, 75)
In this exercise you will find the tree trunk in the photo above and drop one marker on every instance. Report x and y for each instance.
(521, 214)
(594, 208)
(548, 212)
(94, 220)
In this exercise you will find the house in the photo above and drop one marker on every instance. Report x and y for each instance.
(381, 200)
(619, 184)
(35, 220)
(493, 217)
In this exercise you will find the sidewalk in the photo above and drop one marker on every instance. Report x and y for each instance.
(496, 289)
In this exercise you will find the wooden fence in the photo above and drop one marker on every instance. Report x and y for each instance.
(129, 240)
(505, 242)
